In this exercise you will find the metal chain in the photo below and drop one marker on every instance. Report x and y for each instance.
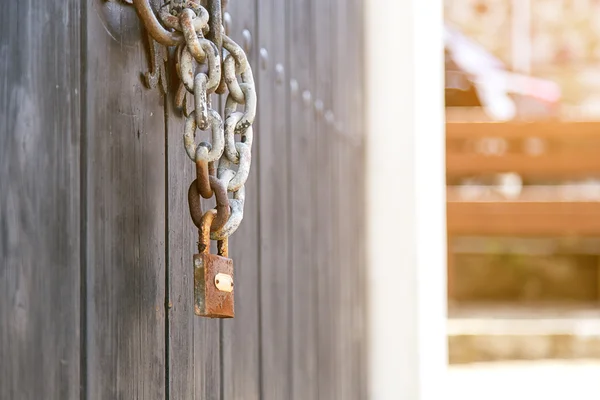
(202, 43)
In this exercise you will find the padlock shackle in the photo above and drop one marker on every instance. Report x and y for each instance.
(205, 222)
(204, 242)
(223, 247)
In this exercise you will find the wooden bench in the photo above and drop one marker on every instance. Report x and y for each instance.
(539, 152)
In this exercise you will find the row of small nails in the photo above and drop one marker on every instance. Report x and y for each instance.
(295, 89)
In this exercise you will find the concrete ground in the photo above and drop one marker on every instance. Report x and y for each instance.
(526, 380)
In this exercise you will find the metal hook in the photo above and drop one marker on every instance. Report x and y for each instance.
(153, 26)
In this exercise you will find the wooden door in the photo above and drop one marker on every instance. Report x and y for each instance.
(96, 241)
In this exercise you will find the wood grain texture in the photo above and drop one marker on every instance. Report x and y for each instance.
(125, 211)
(537, 149)
(515, 130)
(193, 342)
(524, 218)
(40, 200)
(273, 153)
(93, 187)
(345, 195)
(240, 336)
(327, 279)
(357, 295)
(572, 164)
(340, 247)
(305, 368)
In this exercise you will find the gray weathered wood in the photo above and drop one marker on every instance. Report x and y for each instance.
(345, 265)
(40, 200)
(125, 211)
(350, 249)
(356, 159)
(240, 336)
(193, 342)
(327, 278)
(116, 242)
(272, 165)
(304, 368)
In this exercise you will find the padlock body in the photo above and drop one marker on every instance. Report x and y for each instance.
(209, 300)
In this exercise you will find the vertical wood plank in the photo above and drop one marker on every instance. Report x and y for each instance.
(338, 74)
(344, 354)
(355, 153)
(40, 200)
(305, 369)
(328, 282)
(274, 181)
(360, 338)
(240, 336)
(193, 342)
(125, 212)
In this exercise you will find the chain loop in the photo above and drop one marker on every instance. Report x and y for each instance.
(230, 123)
(231, 82)
(249, 108)
(236, 51)
(223, 204)
(170, 14)
(186, 66)
(203, 170)
(195, 204)
(153, 26)
(243, 170)
(200, 98)
(200, 38)
(186, 20)
(216, 127)
(237, 215)
(181, 99)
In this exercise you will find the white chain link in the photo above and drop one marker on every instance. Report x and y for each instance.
(193, 20)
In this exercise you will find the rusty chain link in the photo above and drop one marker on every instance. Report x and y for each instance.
(208, 61)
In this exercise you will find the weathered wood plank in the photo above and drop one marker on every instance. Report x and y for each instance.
(40, 219)
(305, 368)
(527, 193)
(341, 247)
(301, 233)
(514, 130)
(329, 307)
(193, 342)
(348, 192)
(273, 153)
(125, 212)
(357, 233)
(524, 218)
(240, 336)
(568, 164)
(540, 149)
(533, 246)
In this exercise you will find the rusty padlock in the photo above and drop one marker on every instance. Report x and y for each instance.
(213, 275)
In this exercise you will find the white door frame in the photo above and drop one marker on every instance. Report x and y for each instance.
(406, 203)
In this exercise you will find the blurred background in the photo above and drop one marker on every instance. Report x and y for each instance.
(523, 187)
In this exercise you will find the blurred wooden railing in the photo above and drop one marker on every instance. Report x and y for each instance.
(552, 152)
(540, 149)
